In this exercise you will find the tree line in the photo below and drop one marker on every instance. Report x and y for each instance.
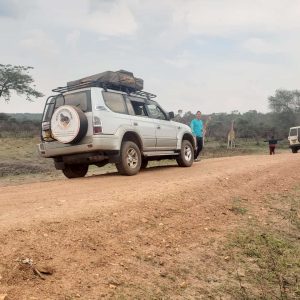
(248, 125)
(13, 127)
(284, 111)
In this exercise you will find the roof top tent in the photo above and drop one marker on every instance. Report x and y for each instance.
(121, 80)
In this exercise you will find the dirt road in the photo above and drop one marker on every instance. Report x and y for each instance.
(111, 236)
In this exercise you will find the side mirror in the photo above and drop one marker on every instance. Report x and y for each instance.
(171, 115)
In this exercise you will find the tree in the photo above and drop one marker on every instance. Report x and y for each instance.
(286, 110)
(17, 79)
(285, 101)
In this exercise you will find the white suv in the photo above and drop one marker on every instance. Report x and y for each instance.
(294, 138)
(88, 123)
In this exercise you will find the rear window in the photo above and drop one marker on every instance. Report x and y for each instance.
(48, 111)
(81, 100)
(293, 132)
(115, 102)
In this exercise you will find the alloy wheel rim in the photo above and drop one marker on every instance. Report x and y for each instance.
(132, 158)
(187, 153)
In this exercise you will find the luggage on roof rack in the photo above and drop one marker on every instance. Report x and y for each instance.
(119, 80)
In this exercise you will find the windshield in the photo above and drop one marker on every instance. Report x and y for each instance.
(293, 132)
(155, 111)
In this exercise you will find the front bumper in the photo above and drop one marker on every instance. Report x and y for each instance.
(294, 146)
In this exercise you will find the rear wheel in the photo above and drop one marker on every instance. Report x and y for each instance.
(186, 156)
(294, 150)
(75, 171)
(130, 159)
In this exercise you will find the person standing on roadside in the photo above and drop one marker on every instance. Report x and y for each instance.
(197, 130)
(272, 145)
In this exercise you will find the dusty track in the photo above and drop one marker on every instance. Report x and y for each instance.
(114, 236)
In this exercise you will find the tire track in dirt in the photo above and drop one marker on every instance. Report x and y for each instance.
(139, 236)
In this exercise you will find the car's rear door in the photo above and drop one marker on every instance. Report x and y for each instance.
(166, 130)
(141, 122)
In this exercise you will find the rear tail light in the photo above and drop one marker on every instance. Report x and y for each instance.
(97, 125)
(45, 126)
(46, 132)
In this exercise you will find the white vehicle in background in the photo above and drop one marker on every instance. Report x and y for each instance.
(107, 118)
(294, 139)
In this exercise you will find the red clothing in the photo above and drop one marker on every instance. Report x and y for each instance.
(272, 149)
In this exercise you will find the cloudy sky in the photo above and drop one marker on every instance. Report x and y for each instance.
(212, 55)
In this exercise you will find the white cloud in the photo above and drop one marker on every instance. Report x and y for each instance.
(115, 20)
(38, 42)
(260, 46)
(15, 8)
(223, 18)
(180, 61)
(73, 38)
(118, 20)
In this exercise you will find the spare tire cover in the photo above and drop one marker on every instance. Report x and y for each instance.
(68, 124)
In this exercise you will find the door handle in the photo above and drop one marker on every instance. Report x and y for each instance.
(158, 127)
(135, 124)
(179, 127)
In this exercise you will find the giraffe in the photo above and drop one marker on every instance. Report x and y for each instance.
(231, 137)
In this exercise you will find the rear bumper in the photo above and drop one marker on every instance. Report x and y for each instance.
(96, 143)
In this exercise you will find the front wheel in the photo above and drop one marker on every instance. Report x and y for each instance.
(186, 156)
(75, 171)
(130, 159)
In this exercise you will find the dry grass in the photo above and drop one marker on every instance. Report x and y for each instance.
(266, 253)
(21, 162)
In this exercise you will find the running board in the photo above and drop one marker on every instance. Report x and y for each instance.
(160, 153)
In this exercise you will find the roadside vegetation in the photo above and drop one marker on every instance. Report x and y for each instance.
(265, 253)
(19, 158)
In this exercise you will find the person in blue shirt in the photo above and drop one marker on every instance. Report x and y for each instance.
(197, 130)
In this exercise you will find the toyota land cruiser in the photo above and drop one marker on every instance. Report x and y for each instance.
(99, 120)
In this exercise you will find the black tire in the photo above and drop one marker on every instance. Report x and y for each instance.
(186, 156)
(294, 150)
(144, 163)
(130, 159)
(75, 171)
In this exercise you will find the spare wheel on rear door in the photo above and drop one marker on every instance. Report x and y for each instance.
(69, 124)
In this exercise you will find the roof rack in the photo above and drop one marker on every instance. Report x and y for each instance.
(105, 86)
(142, 94)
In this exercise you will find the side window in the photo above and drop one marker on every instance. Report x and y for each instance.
(139, 108)
(129, 107)
(293, 132)
(115, 102)
(156, 112)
